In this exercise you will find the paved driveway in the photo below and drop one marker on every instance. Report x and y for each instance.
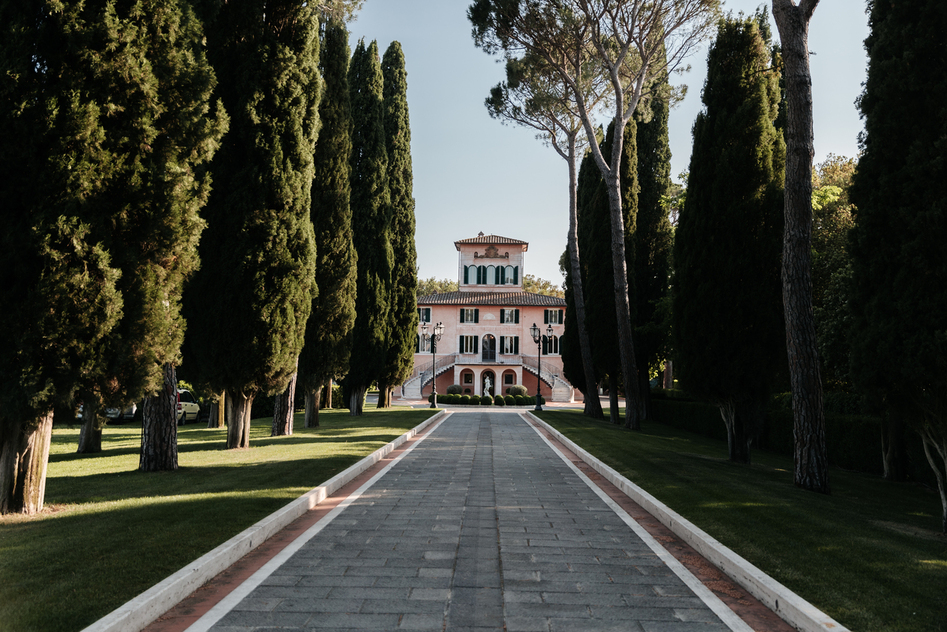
(482, 526)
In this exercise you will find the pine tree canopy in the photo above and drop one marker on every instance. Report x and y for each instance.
(900, 193)
(252, 297)
(403, 314)
(371, 218)
(326, 353)
(727, 308)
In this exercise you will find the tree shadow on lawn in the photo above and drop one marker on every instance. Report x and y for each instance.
(68, 569)
(302, 473)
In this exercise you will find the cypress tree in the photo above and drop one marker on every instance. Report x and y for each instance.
(727, 310)
(899, 284)
(326, 353)
(569, 348)
(653, 237)
(154, 197)
(403, 315)
(595, 237)
(251, 299)
(371, 221)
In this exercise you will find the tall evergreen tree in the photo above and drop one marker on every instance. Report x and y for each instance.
(653, 237)
(154, 200)
(727, 310)
(899, 291)
(595, 237)
(249, 304)
(810, 466)
(326, 353)
(403, 314)
(371, 225)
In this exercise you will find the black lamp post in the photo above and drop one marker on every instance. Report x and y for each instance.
(535, 332)
(438, 332)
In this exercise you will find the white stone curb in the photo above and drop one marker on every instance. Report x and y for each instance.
(141, 611)
(792, 608)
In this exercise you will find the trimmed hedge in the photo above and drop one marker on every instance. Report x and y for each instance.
(486, 400)
(499, 401)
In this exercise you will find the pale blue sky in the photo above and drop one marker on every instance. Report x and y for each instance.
(473, 174)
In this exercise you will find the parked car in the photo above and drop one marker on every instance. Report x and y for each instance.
(119, 415)
(188, 408)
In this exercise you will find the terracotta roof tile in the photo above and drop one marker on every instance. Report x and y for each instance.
(514, 299)
(490, 239)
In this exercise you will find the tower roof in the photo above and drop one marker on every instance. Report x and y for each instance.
(492, 240)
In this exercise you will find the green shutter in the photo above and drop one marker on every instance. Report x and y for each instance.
(502, 271)
(516, 344)
(466, 270)
(482, 274)
(461, 314)
(516, 270)
(476, 344)
(460, 346)
(417, 343)
(502, 344)
(476, 315)
(545, 316)
(561, 318)
(516, 316)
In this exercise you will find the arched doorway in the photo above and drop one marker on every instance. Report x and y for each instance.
(489, 352)
(488, 388)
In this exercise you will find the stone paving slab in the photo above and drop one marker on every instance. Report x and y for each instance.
(482, 527)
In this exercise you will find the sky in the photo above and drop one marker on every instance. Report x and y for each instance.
(473, 173)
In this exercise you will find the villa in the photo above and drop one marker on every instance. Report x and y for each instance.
(486, 344)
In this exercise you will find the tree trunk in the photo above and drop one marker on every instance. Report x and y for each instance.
(238, 430)
(593, 406)
(356, 397)
(159, 429)
(24, 455)
(811, 461)
(384, 396)
(613, 415)
(90, 434)
(893, 452)
(327, 395)
(218, 412)
(939, 447)
(284, 409)
(312, 407)
(626, 345)
(738, 443)
(668, 374)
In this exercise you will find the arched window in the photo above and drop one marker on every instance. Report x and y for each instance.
(509, 275)
(491, 275)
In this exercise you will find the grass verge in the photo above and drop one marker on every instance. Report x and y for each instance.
(867, 555)
(110, 532)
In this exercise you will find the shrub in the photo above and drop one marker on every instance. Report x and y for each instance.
(464, 400)
(519, 399)
(498, 400)
(466, 391)
(510, 400)
(474, 400)
(518, 389)
(486, 400)
(454, 389)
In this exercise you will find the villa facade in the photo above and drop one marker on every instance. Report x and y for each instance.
(486, 345)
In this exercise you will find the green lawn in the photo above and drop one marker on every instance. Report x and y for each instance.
(870, 554)
(111, 532)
